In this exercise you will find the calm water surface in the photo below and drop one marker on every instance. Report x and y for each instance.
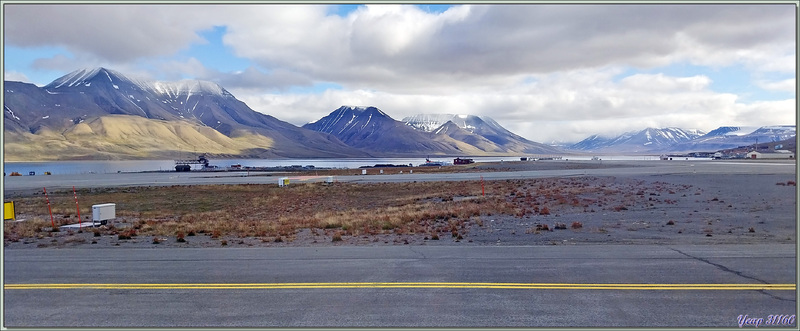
(85, 167)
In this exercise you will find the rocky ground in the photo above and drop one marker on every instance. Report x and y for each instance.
(661, 209)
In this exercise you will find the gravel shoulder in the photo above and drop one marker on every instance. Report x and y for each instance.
(651, 209)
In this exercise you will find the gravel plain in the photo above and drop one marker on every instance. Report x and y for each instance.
(632, 209)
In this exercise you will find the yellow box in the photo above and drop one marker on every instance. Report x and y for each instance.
(9, 213)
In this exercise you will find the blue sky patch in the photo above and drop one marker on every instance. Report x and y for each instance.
(342, 10)
(730, 79)
(16, 58)
(215, 54)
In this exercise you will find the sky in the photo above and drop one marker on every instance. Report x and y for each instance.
(548, 72)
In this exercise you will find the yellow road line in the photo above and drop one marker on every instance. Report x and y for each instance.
(750, 287)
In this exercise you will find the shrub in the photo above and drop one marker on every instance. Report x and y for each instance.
(156, 240)
(577, 225)
(337, 237)
(544, 211)
(435, 237)
(125, 235)
(560, 226)
(752, 230)
(670, 222)
(180, 237)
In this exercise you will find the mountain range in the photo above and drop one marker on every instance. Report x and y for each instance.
(102, 114)
(650, 139)
(480, 131)
(372, 130)
(676, 140)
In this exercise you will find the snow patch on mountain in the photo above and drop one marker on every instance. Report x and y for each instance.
(430, 122)
(638, 141)
(187, 87)
(85, 77)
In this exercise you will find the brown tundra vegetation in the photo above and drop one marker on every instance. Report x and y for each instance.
(587, 206)
(430, 208)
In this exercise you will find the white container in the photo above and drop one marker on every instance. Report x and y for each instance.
(329, 180)
(363, 171)
(104, 212)
(283, 181)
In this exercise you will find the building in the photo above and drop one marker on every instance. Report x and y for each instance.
(779, 154)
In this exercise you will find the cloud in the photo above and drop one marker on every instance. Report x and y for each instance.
(403, 49)
(114, 33)
(544, 71)
(659, 82)
(406, 50)
(567, 106)
(15, 76)
(786, 85)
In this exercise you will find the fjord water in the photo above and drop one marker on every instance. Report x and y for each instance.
(102, 167)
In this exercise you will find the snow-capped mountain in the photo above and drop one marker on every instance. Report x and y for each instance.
(775, 133)
(371, 130)
(647, 140)
(679, 141)
(115, 93)
(731, 137)
(354, 125)
(475, 124)
(731, 131)
(86, 95)
(457, 133)
(483, 126)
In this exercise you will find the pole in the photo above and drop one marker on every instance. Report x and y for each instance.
(77, 207)
(483, 191)
(49, 209)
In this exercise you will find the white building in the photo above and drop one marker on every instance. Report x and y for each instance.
(779, 154)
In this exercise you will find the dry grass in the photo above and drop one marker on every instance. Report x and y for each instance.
(432, 209)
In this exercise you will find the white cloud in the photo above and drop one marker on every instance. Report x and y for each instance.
(659, 82)
(557, 107)
(15, 76)
(116, 33)
(786, 85)
(768, 113)
(544, 71)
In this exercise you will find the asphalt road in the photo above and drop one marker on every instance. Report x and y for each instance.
(54, 182)
(389, 286)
